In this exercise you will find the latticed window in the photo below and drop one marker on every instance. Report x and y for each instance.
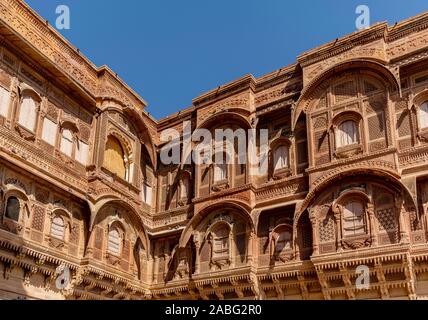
(347, 133)
(114, 241)
(67, 142)
(353, 219)
(28, 113)
(221, 242)
(423, 115)
(58, 228)
(283, 242)
(13, 208)
(280, 157)
(4, 101)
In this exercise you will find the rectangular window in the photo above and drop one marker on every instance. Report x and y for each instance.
(49, 131)
(82, 152)
(185, 187)
(4, 102)
(27, 114)
(147, 193)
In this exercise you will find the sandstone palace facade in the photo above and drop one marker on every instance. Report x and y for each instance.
(82, 187)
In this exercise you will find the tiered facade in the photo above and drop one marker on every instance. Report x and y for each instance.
(83, 189)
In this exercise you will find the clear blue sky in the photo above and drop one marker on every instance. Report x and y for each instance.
(171, 51)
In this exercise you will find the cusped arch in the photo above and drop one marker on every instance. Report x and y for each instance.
(137, 122)
(26, 90)
(137, 223)
(124, 142)
(238, 207)
(328, 180)
(346, 115)
(367, 64)
(420, 98)
(229, 116)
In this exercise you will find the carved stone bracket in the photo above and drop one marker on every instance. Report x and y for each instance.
(356, 244)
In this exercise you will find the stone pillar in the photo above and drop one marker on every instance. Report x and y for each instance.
(315, 238)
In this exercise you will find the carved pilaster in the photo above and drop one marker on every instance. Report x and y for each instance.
(400, 209)
(315, 238)
(337, 214)
(372, 222)
(197, 249)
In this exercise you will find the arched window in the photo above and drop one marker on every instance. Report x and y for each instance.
(13, 208)
(283, 242)
(220, 169)
(353, 219)
(220, 242)
(67, 142)
(28, 113)
(114, 242)
(58, 228)
(114, 157)
(423, 115)
(4, 102)
(280, 157)
(347, 133)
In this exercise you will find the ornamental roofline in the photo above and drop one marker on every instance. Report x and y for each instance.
(38, 34)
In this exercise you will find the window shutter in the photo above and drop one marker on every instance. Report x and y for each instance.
(353, 218)
(114, 242)
(82, 152)
(49, 131)
(423, 115)
(185, 188)
(281, 157)
(58, 228)
(27, 115)
(67, 142)
(4, 102)
(347, 134)
(114, 157)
